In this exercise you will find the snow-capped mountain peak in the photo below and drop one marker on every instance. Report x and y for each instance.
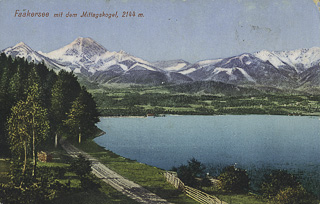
(21, 44)
(79, 48)
(89, 59)
(265, 56)
(22, 50)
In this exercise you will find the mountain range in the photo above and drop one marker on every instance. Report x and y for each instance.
(91, 61)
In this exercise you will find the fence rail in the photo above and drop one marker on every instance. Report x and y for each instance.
(193, 193)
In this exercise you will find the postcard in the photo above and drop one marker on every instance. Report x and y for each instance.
(173, 101)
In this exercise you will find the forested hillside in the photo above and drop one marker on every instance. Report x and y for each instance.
(26, 88)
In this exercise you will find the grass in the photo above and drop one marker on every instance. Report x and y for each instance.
(4, 170)
(105, 194)
(242, 199)
(147, 176)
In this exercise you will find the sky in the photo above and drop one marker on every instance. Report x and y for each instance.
(192, 30)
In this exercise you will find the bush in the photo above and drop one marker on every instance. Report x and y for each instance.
(278, 181)
(81, 166)
(35, 193)
(234, 180)
(88, 182)
(189, 173)
(206, 182)
(291, 195)
(53, 172)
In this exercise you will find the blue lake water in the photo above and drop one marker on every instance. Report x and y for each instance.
(249, 140)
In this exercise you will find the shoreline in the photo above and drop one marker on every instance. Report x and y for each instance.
(123, 116)
(173, 115)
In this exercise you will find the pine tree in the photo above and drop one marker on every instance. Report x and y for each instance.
(58, 108)
(76, 118)
(16, 85)
(82, 116)
(90, 109)
(65, 90)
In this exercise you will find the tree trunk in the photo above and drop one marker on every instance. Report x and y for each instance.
(25, 158)
(79, 137)
(34, 157)
(34, 152)
(24, 163)
(56, 141)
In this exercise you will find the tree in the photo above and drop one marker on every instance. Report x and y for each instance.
(76, 118)
(28, 124)
(234, 179)
(82, 116)
(90, 110)
(65, 90)
(39, 121)
(189, 173)
(19, 133)
(16, 85)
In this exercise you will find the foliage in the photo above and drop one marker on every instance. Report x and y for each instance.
(29, 94)
(234, 180)
(19, 132)
(52, 172)
(190, 172)
(55, 93)
(277, 181)
(81, 166)
(82, 116)
(64, 91)
(28, 126)
(88, 182)
(34, 190)
(289, 195)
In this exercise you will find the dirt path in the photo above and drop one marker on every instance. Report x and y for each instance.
(127, 187)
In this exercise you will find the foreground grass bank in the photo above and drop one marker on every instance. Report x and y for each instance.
(102, 193)
(147, 176)
(152, 178)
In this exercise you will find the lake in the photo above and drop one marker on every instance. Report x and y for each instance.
(284, 141)
(258, 143)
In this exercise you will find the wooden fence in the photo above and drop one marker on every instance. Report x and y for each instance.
(193, 193)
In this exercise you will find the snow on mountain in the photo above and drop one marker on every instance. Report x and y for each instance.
(246, 68)
(79, 50)
(84, 54)
(171, 65)
(191, 68)
(87, 58)
(187, 71)
(301, 59)
(265, 56)
(22, 50)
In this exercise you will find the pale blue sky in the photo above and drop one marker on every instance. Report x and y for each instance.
(170, 29)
